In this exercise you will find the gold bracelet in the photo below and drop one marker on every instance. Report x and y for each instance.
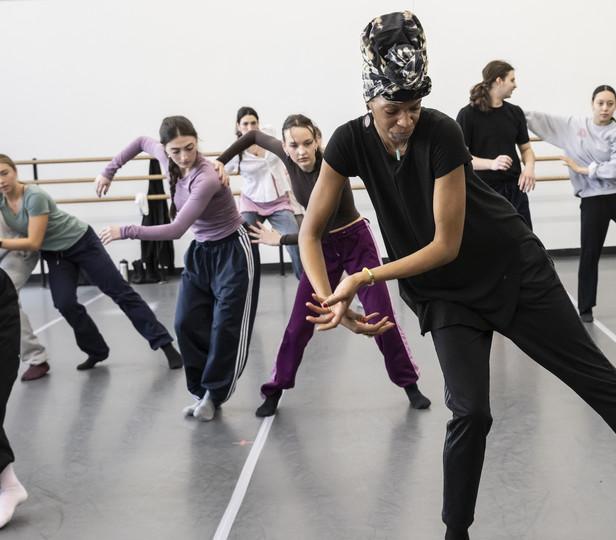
(370, 275)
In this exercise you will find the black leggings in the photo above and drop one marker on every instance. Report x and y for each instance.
(547, 328)
(9, 357)
(595, 215)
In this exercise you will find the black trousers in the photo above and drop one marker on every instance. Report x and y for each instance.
(9, 357)
(89, 255)
(217, 304)
(595, 214)
(517, 198)
(546, 327)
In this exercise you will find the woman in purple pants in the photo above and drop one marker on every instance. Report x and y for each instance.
(348, 246)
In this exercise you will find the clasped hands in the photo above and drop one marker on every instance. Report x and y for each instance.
(334, 310)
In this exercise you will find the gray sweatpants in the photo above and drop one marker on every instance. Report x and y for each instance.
(19, 265)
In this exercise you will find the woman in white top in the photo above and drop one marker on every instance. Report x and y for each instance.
(590, 153)
(265, 190)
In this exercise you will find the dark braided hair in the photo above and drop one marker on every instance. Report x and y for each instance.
(171, 128)
(299, 120)
(241, 112)
(480, 93)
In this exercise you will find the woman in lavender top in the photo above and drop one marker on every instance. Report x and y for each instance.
(217, 300)
(590, 153)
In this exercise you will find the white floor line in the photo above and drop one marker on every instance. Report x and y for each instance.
(228, 518)
(597, 323)
(51, 323)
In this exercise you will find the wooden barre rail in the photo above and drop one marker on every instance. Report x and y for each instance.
(144, 157)
(86, 180)
(90, 159)
(128, 198)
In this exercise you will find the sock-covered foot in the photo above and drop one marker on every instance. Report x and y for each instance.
(173, 357)
(189, 410)
(89, 363)
(417, 399)
(12, 493)
(269, 406)
(205, 409)
(456, 534)
(35, 372)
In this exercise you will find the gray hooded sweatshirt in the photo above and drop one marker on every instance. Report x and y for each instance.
(588, 144)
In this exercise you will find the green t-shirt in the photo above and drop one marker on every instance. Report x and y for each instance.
(63, 230)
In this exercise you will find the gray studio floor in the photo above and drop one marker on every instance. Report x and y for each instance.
(106, 454)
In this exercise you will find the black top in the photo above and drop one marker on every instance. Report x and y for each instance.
(302, 183)
(494, 133)
(480, 287)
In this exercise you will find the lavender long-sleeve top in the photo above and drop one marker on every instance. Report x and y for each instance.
(203, 203)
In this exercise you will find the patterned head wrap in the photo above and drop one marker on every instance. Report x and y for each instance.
(393, 47)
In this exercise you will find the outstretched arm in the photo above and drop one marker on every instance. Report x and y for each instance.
(200, 196)
(246, 141)
(141, 144)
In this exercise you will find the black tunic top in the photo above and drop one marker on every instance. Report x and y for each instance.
(302, 182)
(494, 133)
(480, 287)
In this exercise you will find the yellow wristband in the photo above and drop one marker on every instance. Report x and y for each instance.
(370, 275)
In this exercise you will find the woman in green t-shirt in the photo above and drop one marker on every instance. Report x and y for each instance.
(69, 246)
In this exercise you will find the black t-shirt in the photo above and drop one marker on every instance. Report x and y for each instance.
(494, 133)
(302, 183)
(481, 286)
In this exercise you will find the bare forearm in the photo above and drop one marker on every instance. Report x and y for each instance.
(434, 255)
(20, 244)
(481, 164)
(528, 158)
(311, 252)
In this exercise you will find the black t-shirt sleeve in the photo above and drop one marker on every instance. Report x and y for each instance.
(340, 153)
(246, 141)
(522, 136)
(448, 149)
(465, 122)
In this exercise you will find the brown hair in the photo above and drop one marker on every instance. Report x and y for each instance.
(301, 121)
(170, 128)
(480, 93)
(8, 161)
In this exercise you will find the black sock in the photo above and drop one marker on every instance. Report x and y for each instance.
(456, 534)
(89, 363)
(417, 399)
(173, 357)
(269, 406)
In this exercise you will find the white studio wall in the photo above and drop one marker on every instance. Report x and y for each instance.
(84, 79)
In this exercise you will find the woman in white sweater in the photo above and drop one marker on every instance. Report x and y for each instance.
(590, 153)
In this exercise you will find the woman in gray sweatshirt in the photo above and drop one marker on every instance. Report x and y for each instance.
(590, 154)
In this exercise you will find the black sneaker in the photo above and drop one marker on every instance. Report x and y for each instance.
(269, 406)
(89, 363)
(586, 316)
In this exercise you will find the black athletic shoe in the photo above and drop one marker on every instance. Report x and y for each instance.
(269, 406)
(586, 316)
(89, 363)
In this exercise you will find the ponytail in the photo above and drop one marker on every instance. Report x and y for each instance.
(480, 96)
(480, 93)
